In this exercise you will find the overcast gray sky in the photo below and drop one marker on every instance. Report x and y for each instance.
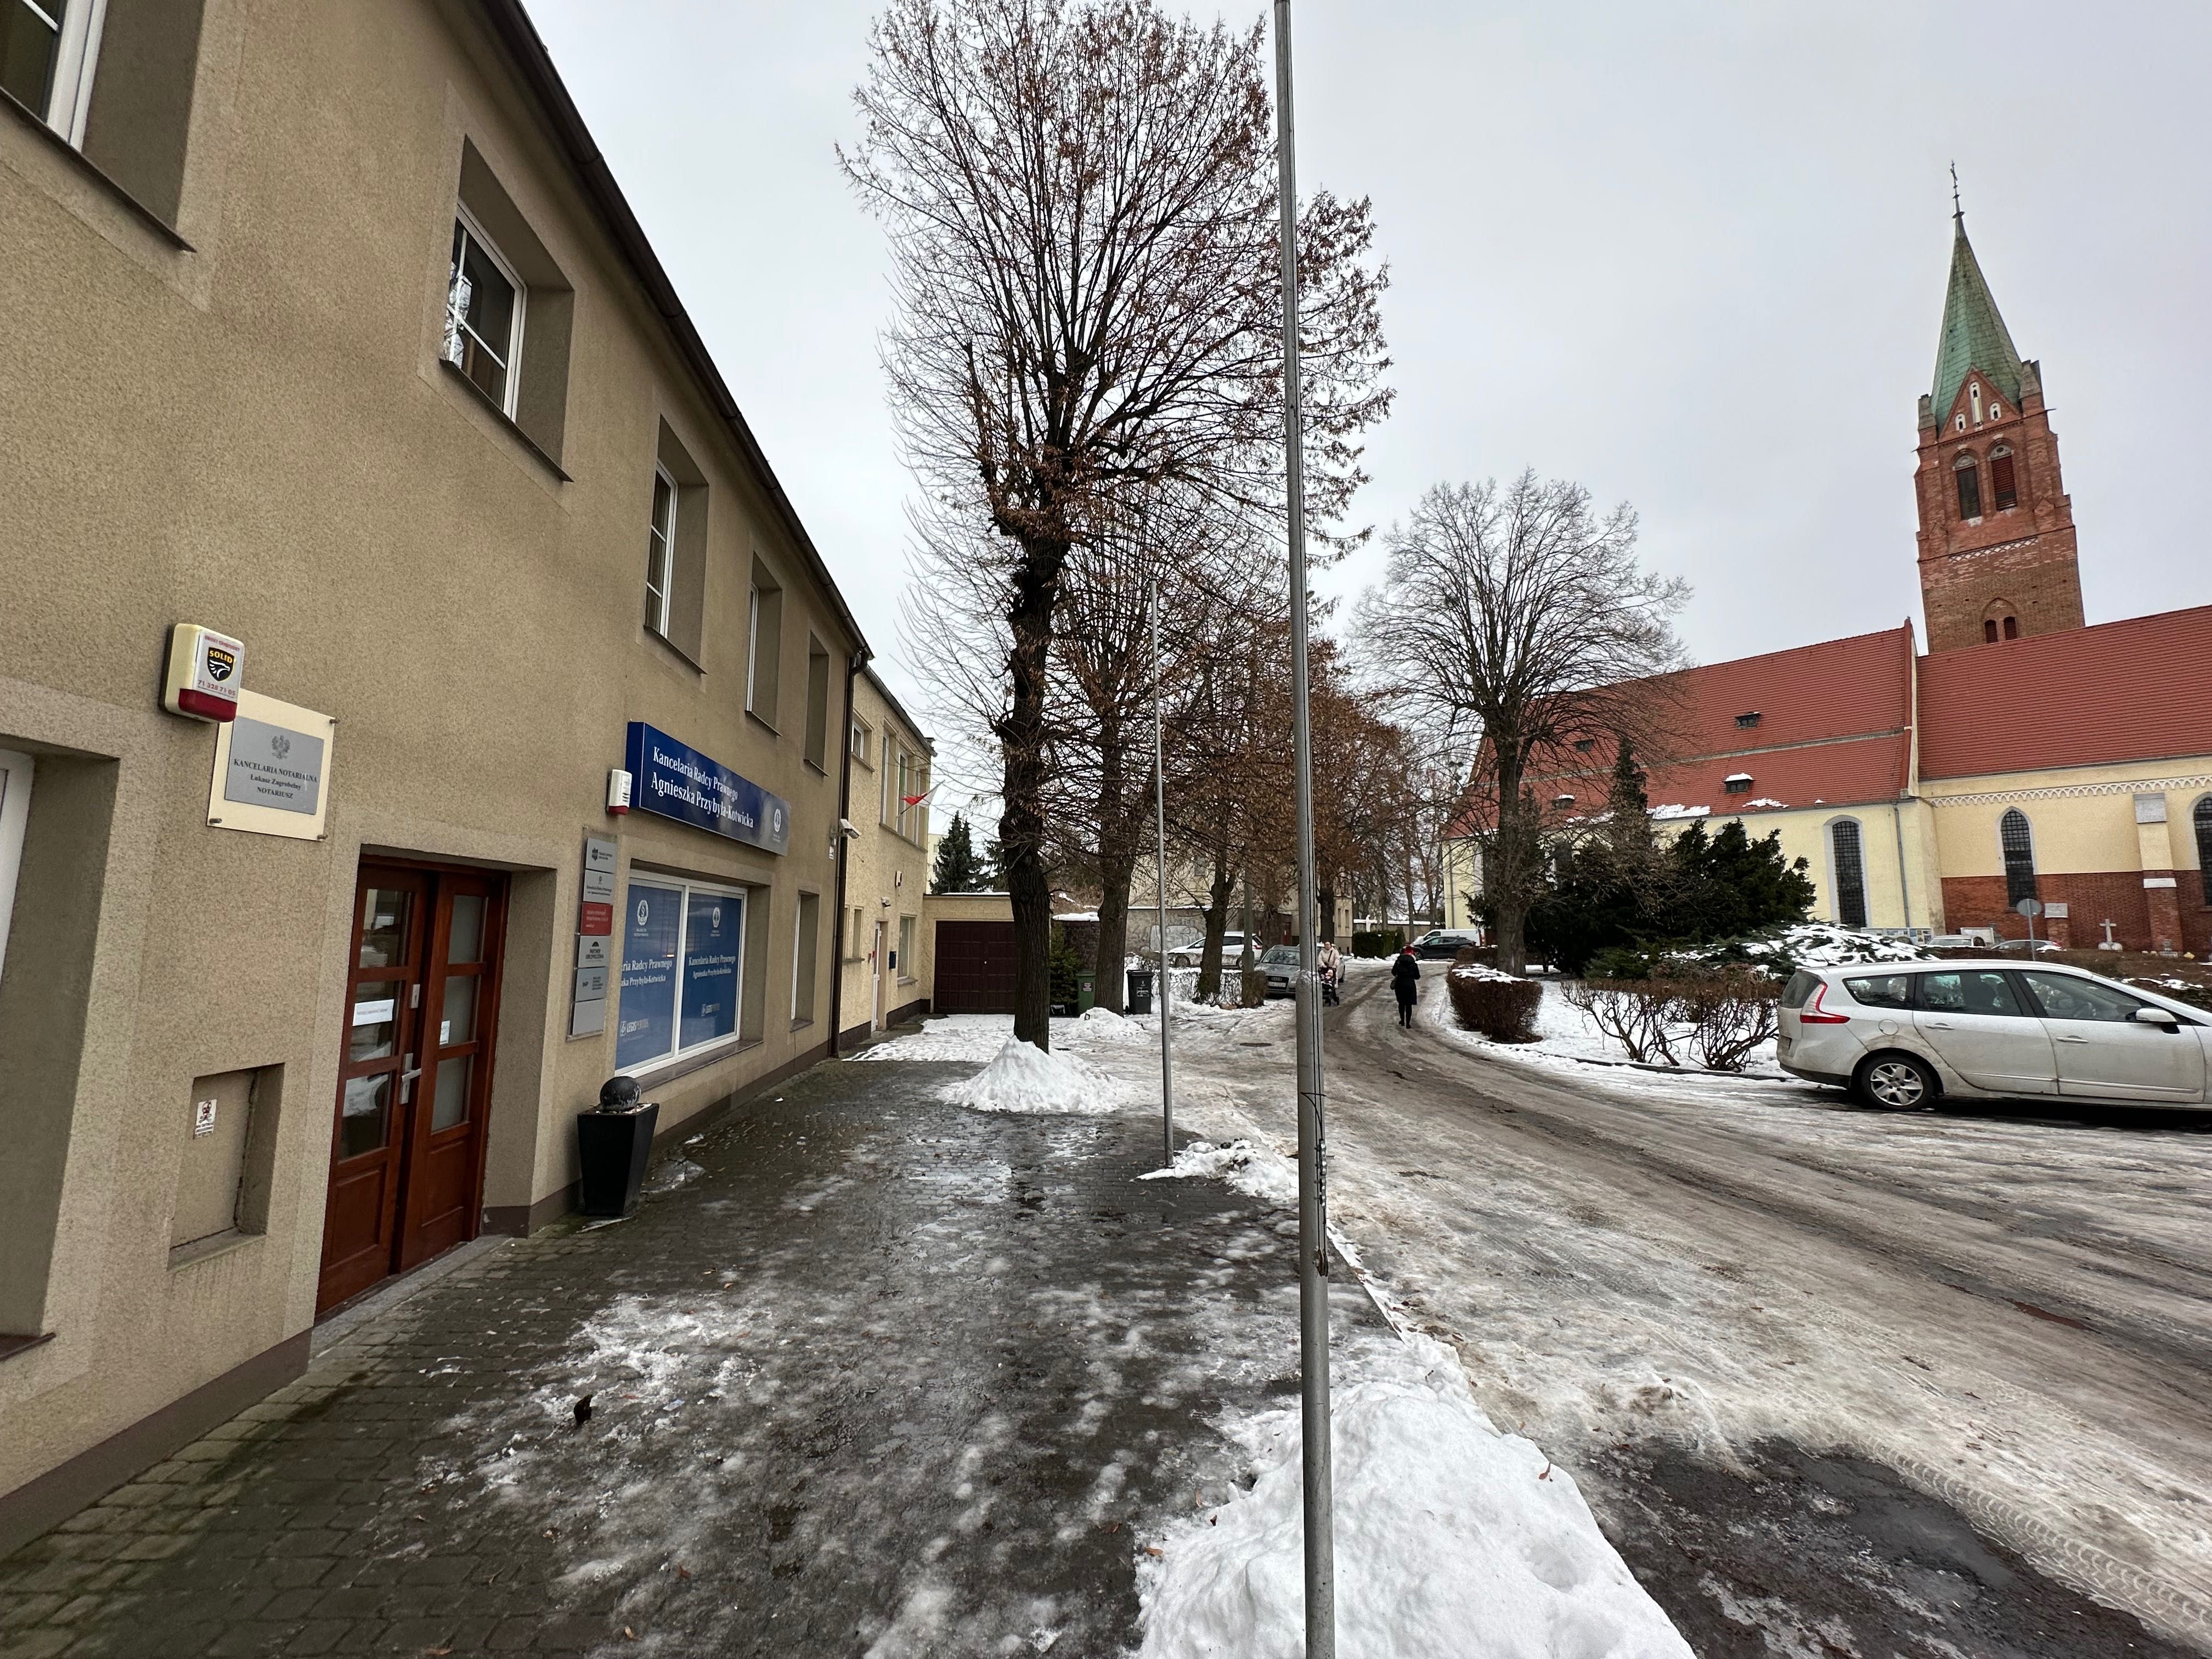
(1692, 255)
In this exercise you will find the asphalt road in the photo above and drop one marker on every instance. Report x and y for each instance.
(1836, 1381)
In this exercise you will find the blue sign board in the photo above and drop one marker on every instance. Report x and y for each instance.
(677, 782)
(710, 967)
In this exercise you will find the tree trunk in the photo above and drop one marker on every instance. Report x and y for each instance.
(1510, 872)
(1325, 899)
(1217, 925)
(1021, 822)
(1113, 878)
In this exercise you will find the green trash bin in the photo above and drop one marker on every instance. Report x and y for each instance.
(1086, 991)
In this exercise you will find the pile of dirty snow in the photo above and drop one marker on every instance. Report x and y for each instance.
(1104, 1025)
(1025, 1078)
(1453, 1540)
(1256, 1171)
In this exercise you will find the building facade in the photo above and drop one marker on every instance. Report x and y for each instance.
(2024, 755)
(887, 952)
(330, 332)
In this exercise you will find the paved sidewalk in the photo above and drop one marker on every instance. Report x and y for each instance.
(886, 1377)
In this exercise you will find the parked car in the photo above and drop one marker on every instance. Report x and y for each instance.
(1899, 1036)
(1957, 942)
(1280, 963)
(1188, 956)
(1446, 942)
(2025, 947)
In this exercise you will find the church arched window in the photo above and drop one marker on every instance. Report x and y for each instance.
(1847, 858)
(2000, 622)
(2005, 491)
(2018, 846)
(2202, 819)
(1970, 487)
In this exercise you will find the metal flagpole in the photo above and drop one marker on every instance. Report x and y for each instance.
(1160, 804)
(1312, 1174)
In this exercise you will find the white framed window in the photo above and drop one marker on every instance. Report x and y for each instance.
(906, 964)
(48, 49)
(884, 780)
(660, 552)
(485, 301)
(805, 947)
(682, 969)
(15, 815)
(860, 741)
(752, 641)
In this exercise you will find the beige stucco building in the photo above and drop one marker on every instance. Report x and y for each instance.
(329, 331)
(887, 952)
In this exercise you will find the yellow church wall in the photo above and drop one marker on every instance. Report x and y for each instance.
(2082, 820)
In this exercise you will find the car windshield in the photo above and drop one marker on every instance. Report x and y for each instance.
(1281, 955)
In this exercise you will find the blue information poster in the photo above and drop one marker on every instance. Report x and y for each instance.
(650, 920)
(710, 967)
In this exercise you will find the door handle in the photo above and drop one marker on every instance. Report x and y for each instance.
(2073, 1039)
(407, 1077)
(1941, 1025)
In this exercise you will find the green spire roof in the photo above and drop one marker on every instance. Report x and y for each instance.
(1974, 336)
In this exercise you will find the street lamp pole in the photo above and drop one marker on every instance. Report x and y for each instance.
(1312, 1174)
(1160, 893)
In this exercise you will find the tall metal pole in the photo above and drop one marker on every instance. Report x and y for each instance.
(1312, 1174)
(1160, 805)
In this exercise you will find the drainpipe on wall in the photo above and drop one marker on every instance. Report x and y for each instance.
(1903, 886)
(844, 858)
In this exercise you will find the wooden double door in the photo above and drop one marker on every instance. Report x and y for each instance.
(407, 1142)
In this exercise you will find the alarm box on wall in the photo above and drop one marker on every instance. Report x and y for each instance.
(205, 670)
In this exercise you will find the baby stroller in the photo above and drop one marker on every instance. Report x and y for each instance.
(1331, 979)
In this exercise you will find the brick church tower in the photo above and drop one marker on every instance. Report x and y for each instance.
(1996, 529)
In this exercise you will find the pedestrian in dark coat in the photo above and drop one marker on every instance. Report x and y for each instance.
(1404, 973)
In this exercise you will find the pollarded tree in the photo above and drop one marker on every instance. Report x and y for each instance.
(1080, 197)
(1514, 622)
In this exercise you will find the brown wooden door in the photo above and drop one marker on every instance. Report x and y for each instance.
(974, 972)
(414, 1074)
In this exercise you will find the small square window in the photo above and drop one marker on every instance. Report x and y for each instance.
(1748, 719)
(1737, 783)
(1584, 746)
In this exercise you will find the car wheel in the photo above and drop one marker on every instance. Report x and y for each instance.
(1896, 1083)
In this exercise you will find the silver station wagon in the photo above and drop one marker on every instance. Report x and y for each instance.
(1900, 1035)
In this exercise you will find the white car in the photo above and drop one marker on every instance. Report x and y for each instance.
(1191, 956)
(1901, 1035)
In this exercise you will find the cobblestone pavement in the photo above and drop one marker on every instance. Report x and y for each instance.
(881, 1376)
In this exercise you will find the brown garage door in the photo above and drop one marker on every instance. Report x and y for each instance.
(975, 969)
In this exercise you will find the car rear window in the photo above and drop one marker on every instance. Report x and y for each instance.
(1977, 992)
(1800, 987)
(1881, 991)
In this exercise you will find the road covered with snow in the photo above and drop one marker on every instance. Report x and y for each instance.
(1836, 1381)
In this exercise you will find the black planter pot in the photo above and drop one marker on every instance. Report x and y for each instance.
(613, 1148)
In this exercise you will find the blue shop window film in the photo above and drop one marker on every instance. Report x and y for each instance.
(650, 920)
(710, 967)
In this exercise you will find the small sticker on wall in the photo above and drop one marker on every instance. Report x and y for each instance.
(203, 1117)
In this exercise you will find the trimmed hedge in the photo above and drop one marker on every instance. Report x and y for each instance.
(1499, 1005)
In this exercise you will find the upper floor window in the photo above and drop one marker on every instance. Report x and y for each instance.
(1748, 719)
(1970, 487)
(660, 552)
(1999, 622)
(1849, 857)
(860, 740)
(2005, 491)
(2018, 847)
(47, 51)
(1974, 397)
(1737, 783)
(484, 305)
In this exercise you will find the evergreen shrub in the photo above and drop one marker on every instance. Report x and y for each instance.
(1501, 1007)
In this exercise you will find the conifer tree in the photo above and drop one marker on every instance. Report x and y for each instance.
(958, 869)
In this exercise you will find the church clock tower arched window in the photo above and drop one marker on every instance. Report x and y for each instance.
(1970, 487)
(2004, 485)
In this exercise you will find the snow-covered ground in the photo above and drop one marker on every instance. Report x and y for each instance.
(1565, 1036)
(1453, 1538)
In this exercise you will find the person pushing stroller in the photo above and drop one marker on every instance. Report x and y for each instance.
(1330, 964)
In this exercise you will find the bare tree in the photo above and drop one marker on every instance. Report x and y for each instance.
(1080, 198)
(1515, 622)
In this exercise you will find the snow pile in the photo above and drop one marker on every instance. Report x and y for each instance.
(1766, 801)
(1026, 1079)
(1104, 1025)
(1675, 810)
(1453, 1541)
(972, 1037)
(1256, 1171)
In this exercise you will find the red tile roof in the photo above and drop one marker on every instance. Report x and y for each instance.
(1832, 727)
(2136, 689)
